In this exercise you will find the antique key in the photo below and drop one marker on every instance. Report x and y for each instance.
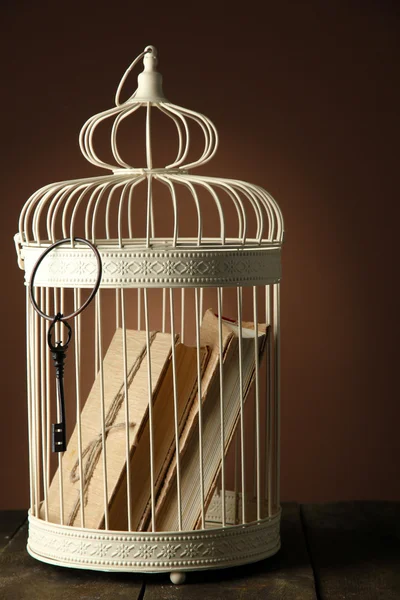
(58, 353)
(58, 349)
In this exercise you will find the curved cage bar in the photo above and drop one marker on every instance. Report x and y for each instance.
(172, 379)
(50, 205)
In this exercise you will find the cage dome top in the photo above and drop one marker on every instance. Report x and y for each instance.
(154, 226)
(149, 93)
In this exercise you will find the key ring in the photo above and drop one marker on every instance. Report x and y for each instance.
(63, 318)
(58, 345)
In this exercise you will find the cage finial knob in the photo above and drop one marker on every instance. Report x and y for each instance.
(150, 80)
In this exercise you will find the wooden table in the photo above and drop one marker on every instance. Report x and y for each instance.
(329, 552)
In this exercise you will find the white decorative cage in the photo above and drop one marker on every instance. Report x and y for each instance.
(172, 244)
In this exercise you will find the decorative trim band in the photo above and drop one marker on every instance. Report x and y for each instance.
(153, 552)
(66, 267)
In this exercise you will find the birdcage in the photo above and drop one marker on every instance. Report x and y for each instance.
(156, 448)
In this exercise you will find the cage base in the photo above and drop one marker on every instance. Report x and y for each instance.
(145, 552)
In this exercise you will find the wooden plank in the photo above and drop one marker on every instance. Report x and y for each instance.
(285, 576)
(355, 549)
(10, 521)
(24, 578)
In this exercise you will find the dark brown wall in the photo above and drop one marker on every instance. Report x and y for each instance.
(305, 99)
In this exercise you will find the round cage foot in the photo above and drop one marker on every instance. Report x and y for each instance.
(177, 577)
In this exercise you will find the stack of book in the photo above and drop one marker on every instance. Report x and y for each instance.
(118, 395)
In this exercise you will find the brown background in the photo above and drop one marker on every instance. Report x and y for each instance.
(305, 99)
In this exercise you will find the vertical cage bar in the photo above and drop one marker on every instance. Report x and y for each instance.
(117, 308)
(48, 399)
(96, 339)
(270, 432)
(149, 158)
(33, 411)
(197, 309)
(164, 308)
(270, 429)
(127, 419)
(61, 332)
(77, 348)
(98, 328)
(277, 389)
(43, 403)
(37, 405)
(268, 411)
(151, 426)
(242, 434)
(183, 315)
(176, 423)
(149, 161)
(257, 399)
(62, 310)
(139, 309)
(236, 477)
(29, 393)
(254, 466)
(221, 399)
(201, 302)
(79, 321)
(61, 454)
(149, 211)
(57, 309)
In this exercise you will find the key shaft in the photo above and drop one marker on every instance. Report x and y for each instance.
(58, 353)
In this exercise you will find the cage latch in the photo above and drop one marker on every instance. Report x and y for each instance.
(19, 250)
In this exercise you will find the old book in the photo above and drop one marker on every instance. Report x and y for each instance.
(210, 339)
(166, 510)
(233, 507)
(163, 435)
(114, 406)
